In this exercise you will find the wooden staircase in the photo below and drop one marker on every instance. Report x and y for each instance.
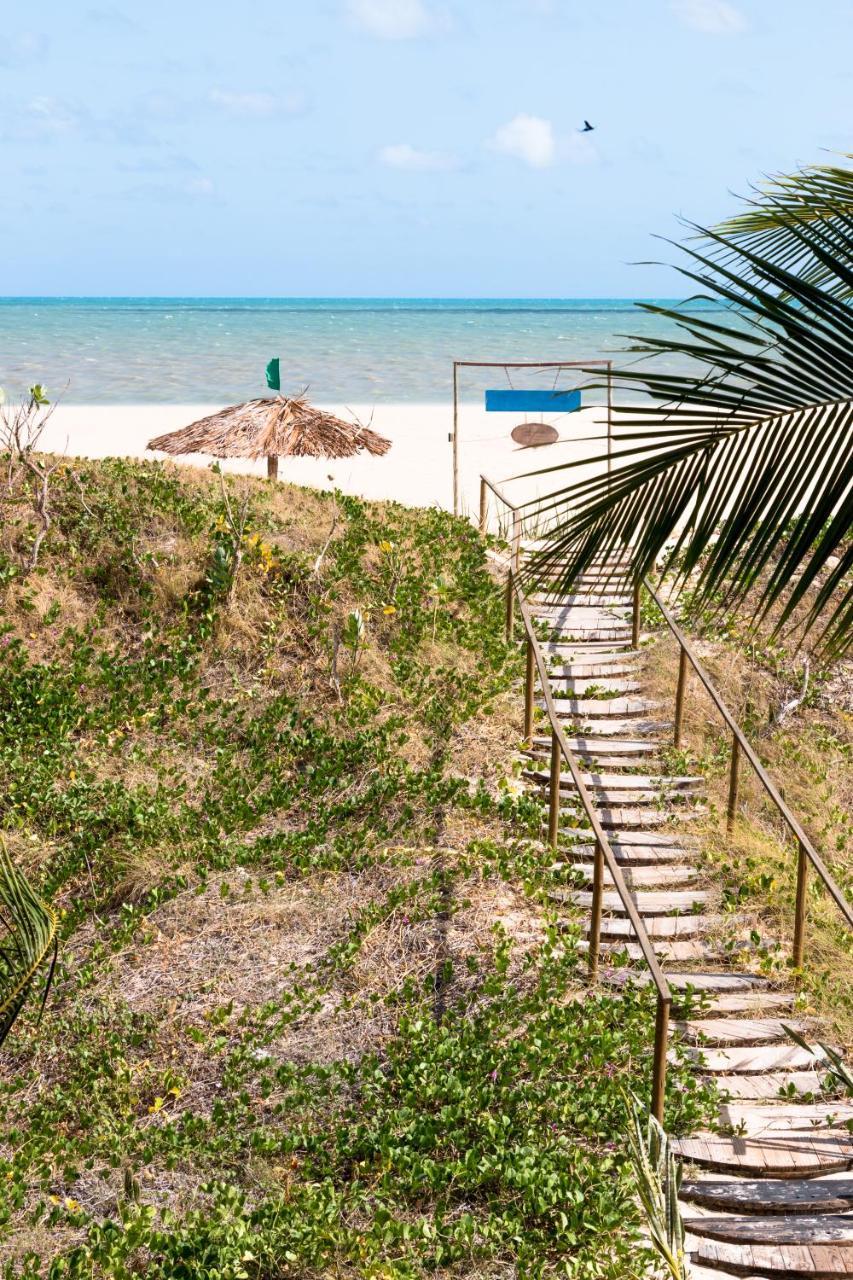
(771, 1192)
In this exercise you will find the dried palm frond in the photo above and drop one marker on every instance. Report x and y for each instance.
(273, 426)
(28, 926)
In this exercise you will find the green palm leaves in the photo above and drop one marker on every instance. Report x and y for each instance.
(28, 929)
(658, 1176)
(740, 472)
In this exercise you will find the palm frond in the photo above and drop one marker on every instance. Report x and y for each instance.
(740, 473)
(658, 1178)
(28, 928)
(835, 1064)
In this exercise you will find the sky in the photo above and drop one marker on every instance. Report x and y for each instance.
(397, 147)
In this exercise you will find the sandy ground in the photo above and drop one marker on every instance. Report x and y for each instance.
(417, 470)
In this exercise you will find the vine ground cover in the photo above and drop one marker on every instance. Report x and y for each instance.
(314, 1013)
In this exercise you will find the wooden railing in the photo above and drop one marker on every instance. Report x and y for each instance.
(604, 856)
(742, 749)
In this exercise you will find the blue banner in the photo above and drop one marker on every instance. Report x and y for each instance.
(520, 401)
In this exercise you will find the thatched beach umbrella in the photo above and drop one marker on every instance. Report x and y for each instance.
(273, 427)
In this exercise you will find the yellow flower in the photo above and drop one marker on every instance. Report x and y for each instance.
(71, 1204)
(386, 547)
(389, 609)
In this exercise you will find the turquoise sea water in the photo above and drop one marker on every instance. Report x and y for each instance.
(189, 350)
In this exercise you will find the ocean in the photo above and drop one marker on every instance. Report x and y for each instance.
(363, 350)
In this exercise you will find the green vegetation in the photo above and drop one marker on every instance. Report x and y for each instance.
(737, 474)
(313, 1013)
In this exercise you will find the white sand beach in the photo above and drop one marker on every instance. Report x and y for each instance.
(417, 470)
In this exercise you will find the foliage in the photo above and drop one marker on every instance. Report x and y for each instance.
(174, 739)
(658, 1178)
(740, 473)
(29, 930)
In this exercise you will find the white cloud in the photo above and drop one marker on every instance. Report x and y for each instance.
(199, 187)
(52, 115)
(391, 19)
(402, 155)
(244, 104)
(527, 138)
(714, 17)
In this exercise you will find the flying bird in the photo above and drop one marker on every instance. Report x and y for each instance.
(587, 127)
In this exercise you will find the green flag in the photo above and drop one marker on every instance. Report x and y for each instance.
(274, 375)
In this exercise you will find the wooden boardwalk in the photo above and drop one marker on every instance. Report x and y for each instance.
(770, 1193)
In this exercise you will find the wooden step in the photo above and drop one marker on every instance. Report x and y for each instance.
(795, 1261)
(668, 950)
(664, 903)
(579, 686)
(636, 877)
(601, 598)
(775, 1228)
(750, 1002)
(627, 747)
(601, 781)
(588, 650)
(707, 982)
(832, 1194)
(743, 1060)
(625, 667)
(602, 726)
(795, 1154)
(771, 1117)
(686, 926)
(624, 818)
(736, 1031)
(605, 708)
(770, 1085)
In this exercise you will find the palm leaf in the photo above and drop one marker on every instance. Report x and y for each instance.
(740, 473)
(837, 1067)
(658, 1178)
(28, 929)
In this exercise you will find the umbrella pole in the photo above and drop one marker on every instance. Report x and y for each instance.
(272, 467)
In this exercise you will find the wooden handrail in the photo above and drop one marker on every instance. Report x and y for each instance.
(741, 747)
(604, 854)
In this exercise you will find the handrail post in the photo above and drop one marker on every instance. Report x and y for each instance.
(484, 504)
(800, 908)
(595, 914)
(510, 603)
(660, 1051)
(680, 691)
(528, 696)
(554, 792)
(734, 784)
(635, 625)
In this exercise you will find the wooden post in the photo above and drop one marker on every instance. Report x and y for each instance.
(659, 1068)
(595, 914)
(272, 467)
(455, 439)
(484, 504)
(734, 784)
(679, 697)
(528, 695)
(635, 629)
(554, 792)
(800, 908)
(510, 603)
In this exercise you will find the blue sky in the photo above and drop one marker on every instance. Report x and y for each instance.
(396, 147)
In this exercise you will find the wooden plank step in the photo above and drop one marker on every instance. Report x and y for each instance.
(588, 650)
(586, 670)
(623, 781)
(625, 818)
(665, 903)
(601, 726)
(637, 877)
(670, 950)
(743, 1060)
(627, 747)
(796, 1261)
(606, 708)
(770, 1085)
(750, 1002)
(732, 1031)
(775, 1116)
(795, 1154)
(686, 926)
(579, 686)
(601, 599)
(832, 1194)
(775, 1229)
(627, 856)
(708, 982)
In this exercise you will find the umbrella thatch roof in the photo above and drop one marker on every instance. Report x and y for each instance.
(273, 427)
